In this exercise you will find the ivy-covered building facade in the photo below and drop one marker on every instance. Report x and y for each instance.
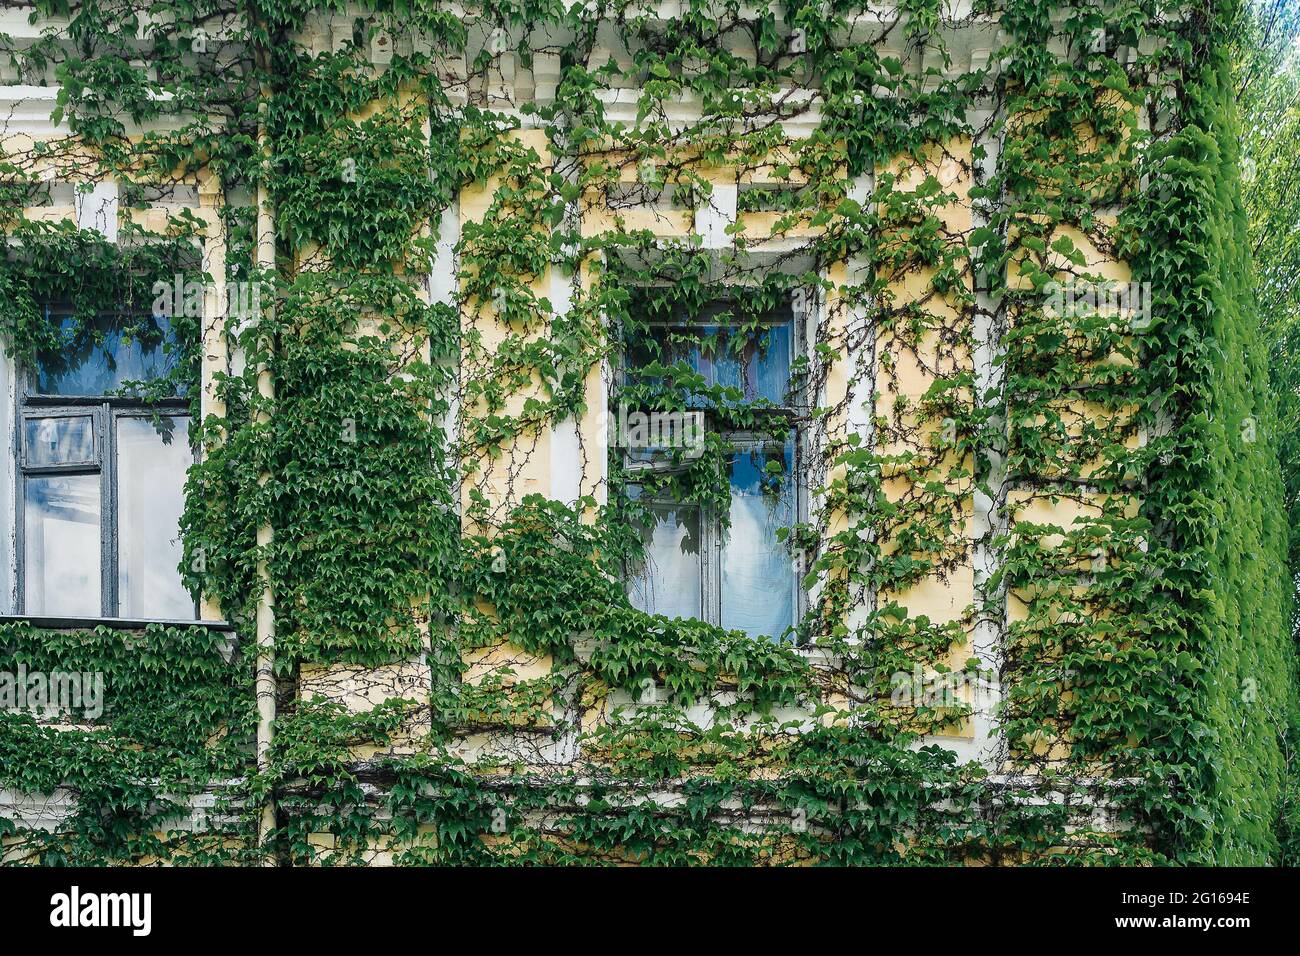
(633, 432)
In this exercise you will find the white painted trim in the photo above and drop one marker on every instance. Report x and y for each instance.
(8, 482)
(97, 209)
(988, 519)
(716, 215)
(566, 464)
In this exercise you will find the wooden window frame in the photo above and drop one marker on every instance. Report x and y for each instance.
(710, 522)
(105, 412)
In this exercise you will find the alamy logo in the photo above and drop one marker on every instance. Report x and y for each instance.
(1131, 301)
(51, 694)
(75, 909)
(922, 688)
(236, 300)
(655, 430)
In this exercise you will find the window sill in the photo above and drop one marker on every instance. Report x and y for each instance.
(117, 623)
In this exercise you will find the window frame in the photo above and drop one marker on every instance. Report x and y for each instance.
(711, 534)
(105, 412)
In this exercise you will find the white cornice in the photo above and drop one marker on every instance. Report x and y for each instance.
(50, 811)
(27, 109)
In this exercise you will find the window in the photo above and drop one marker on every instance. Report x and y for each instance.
(730, 568)
(750, 361)
(102, 473)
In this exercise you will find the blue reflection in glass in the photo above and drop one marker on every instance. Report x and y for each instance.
(757, 570)
(767, 368)
(59, 441)
(100, 357)
(755, 363)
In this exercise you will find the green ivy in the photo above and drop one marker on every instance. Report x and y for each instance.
(1147, 666)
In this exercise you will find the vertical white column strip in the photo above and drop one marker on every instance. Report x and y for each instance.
(989, 520)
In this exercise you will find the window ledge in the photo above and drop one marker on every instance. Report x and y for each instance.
(117, 623)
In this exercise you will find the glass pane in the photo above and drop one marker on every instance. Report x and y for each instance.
(716, 358)
(757, 570)
(668, 347)
(757, 364)
(669, 582)
(59, 441)
(767, 366)
(61, 545)
(152, 458)
(98, 359)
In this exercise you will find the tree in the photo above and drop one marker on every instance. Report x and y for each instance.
(1268, 95)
